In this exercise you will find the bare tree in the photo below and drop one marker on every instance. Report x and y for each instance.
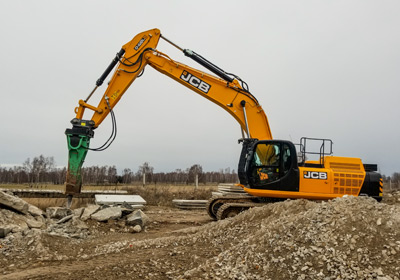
(146, 170)
(194, 171)
(127, 176)
(112, 174)
(39, 167)
(27, 166)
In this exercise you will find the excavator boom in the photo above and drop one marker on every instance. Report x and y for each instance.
(226, 90)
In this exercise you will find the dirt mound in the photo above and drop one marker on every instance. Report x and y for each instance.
(350, 238)
(346, 238)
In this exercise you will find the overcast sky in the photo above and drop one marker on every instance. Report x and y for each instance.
(327, 69)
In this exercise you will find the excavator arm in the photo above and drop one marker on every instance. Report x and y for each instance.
(226, 90)
(228, 95)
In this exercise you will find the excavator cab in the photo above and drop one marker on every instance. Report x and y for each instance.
(276, 164)
(271, 164)
(272, 168)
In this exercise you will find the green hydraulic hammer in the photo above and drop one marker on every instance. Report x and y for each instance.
(78, 139)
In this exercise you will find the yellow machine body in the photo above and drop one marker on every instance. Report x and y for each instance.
(340, 176)
(337, 176)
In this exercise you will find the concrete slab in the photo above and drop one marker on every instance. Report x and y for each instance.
(40, 193)
(13, 202)
(189, 204)
(89, 210)
(109, 199)
(110, 213)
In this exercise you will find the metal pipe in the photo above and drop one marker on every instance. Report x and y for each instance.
(172, 43)
(243, 103)
(90, 95)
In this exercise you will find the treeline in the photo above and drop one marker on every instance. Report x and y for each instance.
(39, 170)
(42, 170)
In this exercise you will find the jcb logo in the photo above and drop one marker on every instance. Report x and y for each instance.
(315, 175)
(196, 82)
(140, 42)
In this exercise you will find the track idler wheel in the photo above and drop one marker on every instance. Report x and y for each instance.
(213, 204)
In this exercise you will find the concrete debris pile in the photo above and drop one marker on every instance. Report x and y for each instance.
(17, 216)
(22, 225)
(346, 238)
(133, 219)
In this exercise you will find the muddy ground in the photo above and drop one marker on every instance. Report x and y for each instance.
(347, 238)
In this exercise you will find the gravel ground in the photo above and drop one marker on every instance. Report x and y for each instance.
(346, 238)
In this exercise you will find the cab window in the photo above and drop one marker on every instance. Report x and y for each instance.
(266, 163)
(270, 162)
(287, 162)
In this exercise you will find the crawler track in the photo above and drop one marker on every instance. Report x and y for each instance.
(216, 205)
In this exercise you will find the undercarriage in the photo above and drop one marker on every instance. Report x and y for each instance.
(220, 207)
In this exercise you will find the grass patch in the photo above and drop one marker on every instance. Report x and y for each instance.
(157, 195)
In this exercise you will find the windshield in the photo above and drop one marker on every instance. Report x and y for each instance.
(270, 162)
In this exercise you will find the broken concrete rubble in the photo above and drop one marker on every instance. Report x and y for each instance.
(58, 212)
(137, 218)
(126, 211)
(20, 220)
(88, 211)
(34, 211)
(78, 212)
(78, 223)
(137, 229)
(33, 223)
(110, 213)
(14, 221)
(4, 232)
(65, 219)
(13, 202)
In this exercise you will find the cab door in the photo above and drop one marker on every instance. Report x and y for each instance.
(273, 166)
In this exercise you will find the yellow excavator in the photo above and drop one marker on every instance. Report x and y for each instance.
(268, 169)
